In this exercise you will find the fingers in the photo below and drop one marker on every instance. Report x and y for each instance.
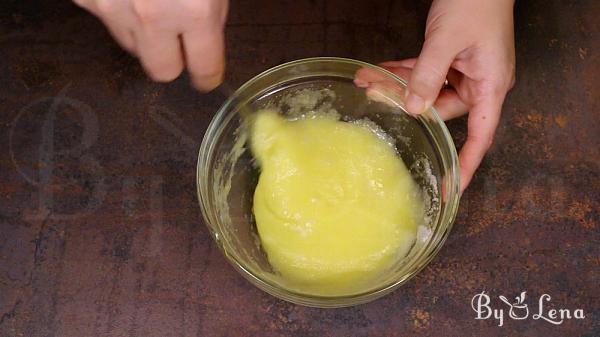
(205, 56)
(449, 105)
(123, 36)
(366, 75)
(428, 75)
(160, 53)
(406, 63)
(117, 17)
(386, 92)
(86, 4)
(482, 124)
(167, 36)
(402, 72)
(483, 117)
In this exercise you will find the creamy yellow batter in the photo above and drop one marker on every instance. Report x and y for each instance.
(335, 206)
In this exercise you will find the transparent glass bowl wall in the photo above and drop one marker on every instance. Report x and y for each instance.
(226, 175)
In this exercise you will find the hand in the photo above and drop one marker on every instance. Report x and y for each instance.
(471, 44)
(168, 35)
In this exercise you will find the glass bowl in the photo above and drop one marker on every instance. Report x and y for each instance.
(227, 176)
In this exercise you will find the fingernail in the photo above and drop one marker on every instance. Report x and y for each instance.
(413, 103)
(207, 83)
(360, 83)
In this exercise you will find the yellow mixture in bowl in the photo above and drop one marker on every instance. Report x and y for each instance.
(335, 206)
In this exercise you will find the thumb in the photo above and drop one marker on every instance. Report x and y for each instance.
(428, 75)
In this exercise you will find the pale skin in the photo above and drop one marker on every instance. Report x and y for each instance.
(469, 43)
(169, 35)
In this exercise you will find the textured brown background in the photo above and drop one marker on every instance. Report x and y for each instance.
(100, 229)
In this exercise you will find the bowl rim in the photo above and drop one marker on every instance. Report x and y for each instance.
(448, 213)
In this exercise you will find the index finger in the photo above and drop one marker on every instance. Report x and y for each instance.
(482, 124)
(204, 49)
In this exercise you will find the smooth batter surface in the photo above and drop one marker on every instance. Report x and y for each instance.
(334, 205)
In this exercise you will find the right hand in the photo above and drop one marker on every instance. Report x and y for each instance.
(168, 35)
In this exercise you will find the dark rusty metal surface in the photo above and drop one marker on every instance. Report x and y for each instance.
(101, 233)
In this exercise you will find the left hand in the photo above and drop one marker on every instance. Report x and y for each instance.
(471, 44)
